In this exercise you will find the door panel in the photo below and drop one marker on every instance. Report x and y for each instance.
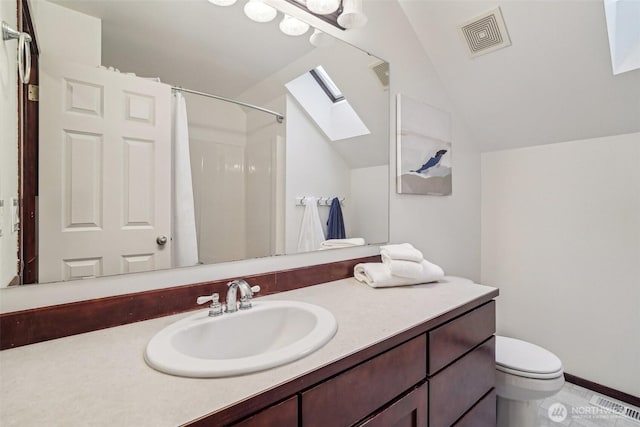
(105, 172)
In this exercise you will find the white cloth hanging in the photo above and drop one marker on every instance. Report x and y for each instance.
(311, 233)
(185, 243)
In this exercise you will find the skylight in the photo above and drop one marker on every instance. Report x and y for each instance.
(325, 104)
(624, 34)
(327, 85)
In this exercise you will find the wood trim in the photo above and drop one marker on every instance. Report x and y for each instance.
(603, 389)
(46, 323)
(283, 391)
(28, 252)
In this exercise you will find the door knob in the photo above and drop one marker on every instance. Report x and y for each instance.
(161, 240)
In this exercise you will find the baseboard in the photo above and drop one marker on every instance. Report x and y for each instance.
(602, 389)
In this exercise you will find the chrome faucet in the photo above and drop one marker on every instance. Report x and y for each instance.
(246, 293)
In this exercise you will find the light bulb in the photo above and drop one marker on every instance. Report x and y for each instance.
(292, 26)
(259, 11)
(222, 2)
(323, 7)
(352, 15)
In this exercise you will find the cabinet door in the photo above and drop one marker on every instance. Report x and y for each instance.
(283, 414)
(408, 411)
(355, 394)
(457, 388)
(481, 415)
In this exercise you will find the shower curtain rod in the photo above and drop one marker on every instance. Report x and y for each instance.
(279, 117)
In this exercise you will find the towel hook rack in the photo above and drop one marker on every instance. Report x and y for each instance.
(24, 54)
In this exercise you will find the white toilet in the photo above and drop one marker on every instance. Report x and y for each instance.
(525, 373)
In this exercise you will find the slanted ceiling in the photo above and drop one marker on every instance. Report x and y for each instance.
(554, 83)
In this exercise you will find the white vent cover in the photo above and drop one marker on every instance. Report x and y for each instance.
(381, 69)
(615, 407)
(485, 33)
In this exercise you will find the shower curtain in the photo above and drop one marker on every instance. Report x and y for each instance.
(185, 244)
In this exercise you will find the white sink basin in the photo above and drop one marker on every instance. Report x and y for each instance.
(269, 334)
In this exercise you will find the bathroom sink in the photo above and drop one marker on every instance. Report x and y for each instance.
(269, 334)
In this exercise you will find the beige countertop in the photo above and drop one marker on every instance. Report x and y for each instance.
(101, 379)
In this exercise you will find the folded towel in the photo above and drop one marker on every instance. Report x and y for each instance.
(378, 275)
(402, 251)
(342, 243)
(402, 268)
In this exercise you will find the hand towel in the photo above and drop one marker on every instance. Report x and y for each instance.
(402, 251)
(343, 243)
(378, 275)
(311, 234)
(335, 223)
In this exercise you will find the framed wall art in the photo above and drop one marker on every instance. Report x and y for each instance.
(423, 139)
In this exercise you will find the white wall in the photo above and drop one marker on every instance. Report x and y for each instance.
(65, 33)
(313, 168)
(561, 239)
(8, 146)
(445, 229)
(369, 203)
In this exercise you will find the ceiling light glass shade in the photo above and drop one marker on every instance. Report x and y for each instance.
(352, 15)
(292, 26)
(259, 11)
(323, 7)
(320, 39)
(222, 2)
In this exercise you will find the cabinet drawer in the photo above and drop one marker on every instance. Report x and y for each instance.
(453, 339)
(455, 389)
(360, 391)
(481, 415)
(283, 414)
(409, 410)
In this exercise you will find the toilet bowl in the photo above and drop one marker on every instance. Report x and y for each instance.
(525, 373)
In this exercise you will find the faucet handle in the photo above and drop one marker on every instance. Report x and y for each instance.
(215, 309)
(245, 300)
(213, 298)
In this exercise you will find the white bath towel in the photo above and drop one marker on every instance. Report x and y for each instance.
(378, 275)
(311, 234)
(401, 251)
(343, 243)
(402, 268)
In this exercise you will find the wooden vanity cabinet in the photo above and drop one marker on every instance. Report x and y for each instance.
(283, 414)
(351, 396)
(442, 377)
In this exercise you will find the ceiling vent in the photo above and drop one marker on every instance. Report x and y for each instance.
(381, 70)
(485, 33)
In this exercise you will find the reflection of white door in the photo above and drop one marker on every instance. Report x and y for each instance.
(105, 177)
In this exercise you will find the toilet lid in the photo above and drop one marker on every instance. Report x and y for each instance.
(524, 357)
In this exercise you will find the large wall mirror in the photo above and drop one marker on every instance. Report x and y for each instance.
(112, 198)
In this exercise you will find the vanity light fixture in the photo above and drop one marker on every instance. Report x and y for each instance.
(292, 26)
(352, 15)
(323, 7)
(222, 2)
(259, 11)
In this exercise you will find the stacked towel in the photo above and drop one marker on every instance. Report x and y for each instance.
(401, 265)
(342, 243)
